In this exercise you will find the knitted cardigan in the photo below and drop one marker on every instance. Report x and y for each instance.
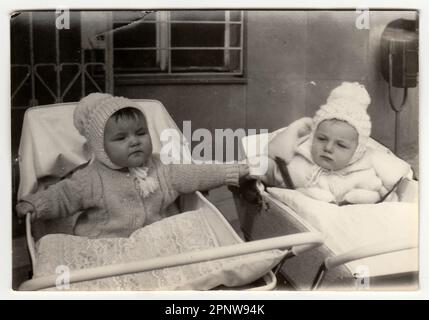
(110, 201)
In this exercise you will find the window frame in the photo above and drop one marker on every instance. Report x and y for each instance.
(163, 24)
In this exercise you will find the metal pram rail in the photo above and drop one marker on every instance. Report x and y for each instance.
(306, 241)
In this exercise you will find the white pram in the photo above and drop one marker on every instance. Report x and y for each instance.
(51, 149)
(371, 246)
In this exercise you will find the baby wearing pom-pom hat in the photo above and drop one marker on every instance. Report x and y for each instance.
(126, 186)
(326, 156)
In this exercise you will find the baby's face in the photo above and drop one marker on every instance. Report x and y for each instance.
(334, 143)
(127, 141)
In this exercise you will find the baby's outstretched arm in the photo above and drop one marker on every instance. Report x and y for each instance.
(187, 178)
(59, 200)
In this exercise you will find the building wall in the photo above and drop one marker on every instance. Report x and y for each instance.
(294, 59)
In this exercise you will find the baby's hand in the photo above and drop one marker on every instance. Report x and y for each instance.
(368, 180)
(22, 208)
(302, 127)
(243, 170)
(362, 196)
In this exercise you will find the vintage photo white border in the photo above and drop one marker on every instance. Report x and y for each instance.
(6, 7)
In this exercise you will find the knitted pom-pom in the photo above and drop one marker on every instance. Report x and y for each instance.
(84, 108)
(351, 91)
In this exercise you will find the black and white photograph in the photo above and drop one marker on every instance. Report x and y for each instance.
(210, 149)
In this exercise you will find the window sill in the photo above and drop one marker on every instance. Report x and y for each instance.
(124, 81)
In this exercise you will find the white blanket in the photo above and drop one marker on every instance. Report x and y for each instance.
(349, 227)
(181, 233)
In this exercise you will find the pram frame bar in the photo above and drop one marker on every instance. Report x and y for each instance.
(30, 240)
(359, 253)
(285, 242)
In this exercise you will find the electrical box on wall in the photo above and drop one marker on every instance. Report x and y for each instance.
(399, 53)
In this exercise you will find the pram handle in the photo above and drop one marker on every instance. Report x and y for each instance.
(312, 239)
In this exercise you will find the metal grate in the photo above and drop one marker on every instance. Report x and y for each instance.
(48, 76)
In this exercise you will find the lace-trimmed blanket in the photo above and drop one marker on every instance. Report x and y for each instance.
(185, 232)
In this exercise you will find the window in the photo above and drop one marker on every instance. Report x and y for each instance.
(177, 43)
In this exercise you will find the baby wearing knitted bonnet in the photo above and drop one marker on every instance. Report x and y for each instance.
(327, 156)
(125, 186)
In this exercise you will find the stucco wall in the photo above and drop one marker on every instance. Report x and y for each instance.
(293, 61)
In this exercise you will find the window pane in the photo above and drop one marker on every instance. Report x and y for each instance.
(143, 60)
(197, 60)
(137, 35)
(192, 37)
(198, 15)
(234, 60)
(235, 36)
(235, 16)
(197, 35)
